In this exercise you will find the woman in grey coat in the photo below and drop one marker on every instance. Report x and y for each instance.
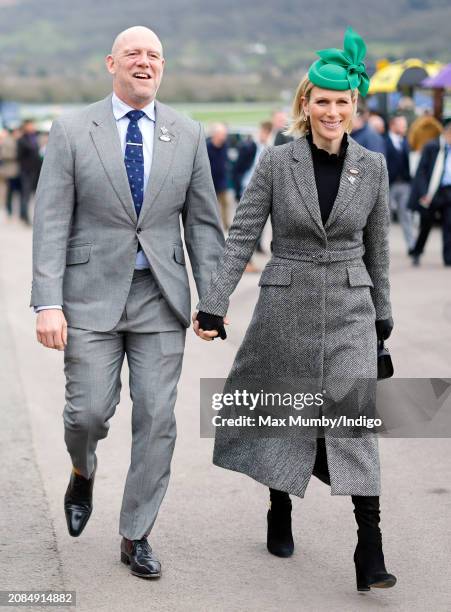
(324, 301)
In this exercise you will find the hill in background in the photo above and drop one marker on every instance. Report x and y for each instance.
(53, 50)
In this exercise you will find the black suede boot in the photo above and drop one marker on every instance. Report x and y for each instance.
(368, 556)
(280, 539)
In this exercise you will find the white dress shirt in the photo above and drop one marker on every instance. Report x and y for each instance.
(446, 178)
(397, 140)
(147, 126)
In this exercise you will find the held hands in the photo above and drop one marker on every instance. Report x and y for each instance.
(51, 328)
(384, 328)
(208, 326)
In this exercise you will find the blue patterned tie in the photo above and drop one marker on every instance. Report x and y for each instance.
(134, 159)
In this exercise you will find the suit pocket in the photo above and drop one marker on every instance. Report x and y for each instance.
(179, 255)
(172, 342)
(78, 254)
(275, 276)
(359, 277)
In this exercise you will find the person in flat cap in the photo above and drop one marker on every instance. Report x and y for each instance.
(324, 302)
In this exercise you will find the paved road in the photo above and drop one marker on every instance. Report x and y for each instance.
(210, 534)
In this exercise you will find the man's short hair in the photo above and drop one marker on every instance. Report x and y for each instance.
(266, 125)
(395, 115)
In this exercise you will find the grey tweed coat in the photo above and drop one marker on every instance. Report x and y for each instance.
(320, 295)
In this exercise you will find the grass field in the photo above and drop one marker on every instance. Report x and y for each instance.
(234, 115)
(238, 116)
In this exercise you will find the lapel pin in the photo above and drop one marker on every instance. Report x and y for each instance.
(353, 170)
(164, 136)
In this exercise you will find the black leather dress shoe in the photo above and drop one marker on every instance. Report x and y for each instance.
(139, 556)
(78, 501)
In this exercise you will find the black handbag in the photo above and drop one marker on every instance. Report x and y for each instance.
(384, 362)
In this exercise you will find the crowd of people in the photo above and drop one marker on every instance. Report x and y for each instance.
(21, 154)
(420, 178)
(415, 148)
(233, 166)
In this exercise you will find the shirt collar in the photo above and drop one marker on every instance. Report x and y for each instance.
(120, 109)
(325, 155)
(396, 138)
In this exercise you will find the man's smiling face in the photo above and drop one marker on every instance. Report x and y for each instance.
(136, 63)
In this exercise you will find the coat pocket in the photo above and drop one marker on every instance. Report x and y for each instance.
(275, 276)
(179, 255)
(359, 277)
(78, 254)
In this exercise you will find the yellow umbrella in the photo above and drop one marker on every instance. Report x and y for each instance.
(402, 73)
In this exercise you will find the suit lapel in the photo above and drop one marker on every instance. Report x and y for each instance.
(351, 177)
(162, 157)
(304, 176)
(106, 140)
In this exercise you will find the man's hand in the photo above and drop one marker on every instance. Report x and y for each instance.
(51, 328)
(425, 200)
(207, 334)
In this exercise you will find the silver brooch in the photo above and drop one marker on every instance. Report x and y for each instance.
(353, 170)
(164, 134)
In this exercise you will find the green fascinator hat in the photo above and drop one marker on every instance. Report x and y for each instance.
(342, 69)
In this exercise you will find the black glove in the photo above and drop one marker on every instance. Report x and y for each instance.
(209, 322)
(384, 328)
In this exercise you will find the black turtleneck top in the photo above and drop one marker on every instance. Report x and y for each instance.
(327, 168)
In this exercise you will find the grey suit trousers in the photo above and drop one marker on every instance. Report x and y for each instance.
(153, 339)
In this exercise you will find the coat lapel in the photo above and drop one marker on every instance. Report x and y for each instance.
(351, 177)
(106, 140)
(304, 176)
(163, 155)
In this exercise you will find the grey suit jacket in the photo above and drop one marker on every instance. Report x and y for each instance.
(86, 231)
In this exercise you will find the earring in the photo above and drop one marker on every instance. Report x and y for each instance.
(305, 117)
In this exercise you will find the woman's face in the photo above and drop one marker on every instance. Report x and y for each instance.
(330, 112)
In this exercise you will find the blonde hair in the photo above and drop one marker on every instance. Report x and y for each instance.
(299, 121)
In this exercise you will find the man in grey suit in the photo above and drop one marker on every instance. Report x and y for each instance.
(109, 275)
